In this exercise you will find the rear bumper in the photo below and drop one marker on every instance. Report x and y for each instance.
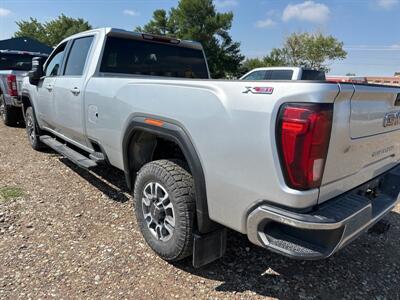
(13, 101)
(329, 227)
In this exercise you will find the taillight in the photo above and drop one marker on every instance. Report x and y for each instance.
(12, 85)
(303, 133)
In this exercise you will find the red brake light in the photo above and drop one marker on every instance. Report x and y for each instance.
(161, 39)
(303, 133)
(12, 85)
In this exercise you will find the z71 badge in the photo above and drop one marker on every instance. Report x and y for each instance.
(259, 90)
(391, 119)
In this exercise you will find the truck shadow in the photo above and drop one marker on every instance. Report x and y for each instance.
(109, 180)
(368, 268)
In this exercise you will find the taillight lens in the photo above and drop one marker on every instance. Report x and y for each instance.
(12, 85)
(303, 133)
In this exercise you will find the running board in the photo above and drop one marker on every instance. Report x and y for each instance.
(98, 157)
(77, 158)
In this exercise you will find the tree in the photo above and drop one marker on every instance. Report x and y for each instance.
(314, 51)
(351, 74)
(32, 28)
(198, 20)
(161, 24)
(308, 50)
(276, 58)
(52, 32)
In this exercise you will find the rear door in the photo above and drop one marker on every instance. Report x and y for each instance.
(365, 138)
(68, 104)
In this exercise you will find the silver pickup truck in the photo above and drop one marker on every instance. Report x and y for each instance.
(301, 167)
(14, 65)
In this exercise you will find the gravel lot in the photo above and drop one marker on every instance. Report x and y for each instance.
(68, 233)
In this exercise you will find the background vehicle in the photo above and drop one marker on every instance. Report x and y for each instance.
(284, 73)
(301, 167)
(14, 65)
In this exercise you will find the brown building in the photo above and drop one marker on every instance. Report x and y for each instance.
(386, 80)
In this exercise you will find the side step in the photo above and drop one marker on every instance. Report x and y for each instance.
(98, 157)
(77, 158)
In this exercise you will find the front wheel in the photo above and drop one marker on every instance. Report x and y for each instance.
(164, 204)
(32, 130)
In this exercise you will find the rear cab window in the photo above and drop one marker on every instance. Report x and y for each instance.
(313, 75)
(18, 62)
(280, 75)
(141, 57)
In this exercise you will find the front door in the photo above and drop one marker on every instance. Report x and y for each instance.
(45, 97)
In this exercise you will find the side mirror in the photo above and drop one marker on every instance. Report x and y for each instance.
(37, 70)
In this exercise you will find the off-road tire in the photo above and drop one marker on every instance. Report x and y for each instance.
(178, 183)
(32, 130)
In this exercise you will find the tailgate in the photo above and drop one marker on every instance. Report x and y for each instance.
(20, 77)
(365, 137)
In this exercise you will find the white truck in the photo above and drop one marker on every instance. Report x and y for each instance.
(284, 73)
(302, 168)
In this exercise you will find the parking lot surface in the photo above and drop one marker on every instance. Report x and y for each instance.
(69, 233)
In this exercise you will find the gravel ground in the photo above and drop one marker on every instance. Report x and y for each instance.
(68, 233)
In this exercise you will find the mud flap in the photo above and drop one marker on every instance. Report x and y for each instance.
(208, 247)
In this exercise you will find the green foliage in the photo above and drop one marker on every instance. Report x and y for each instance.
(198, 20)
(161, 24)
(312, 50)
(277, 58)
(52, 32)
(9, 193)
(31, 28)
(307, 50)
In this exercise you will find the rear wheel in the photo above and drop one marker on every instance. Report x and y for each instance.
(164, 204)
(8, 114)
(32, 130)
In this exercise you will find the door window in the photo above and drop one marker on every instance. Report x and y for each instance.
(55, 62)
(77, 56)
(256, 75)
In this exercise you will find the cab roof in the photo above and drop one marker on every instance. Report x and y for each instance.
(109, 31)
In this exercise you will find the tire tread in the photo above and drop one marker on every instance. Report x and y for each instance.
(179, 183)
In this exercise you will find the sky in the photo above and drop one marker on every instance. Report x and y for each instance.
(369, 29)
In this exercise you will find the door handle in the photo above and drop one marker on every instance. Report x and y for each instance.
(75, 91)
(49, 87)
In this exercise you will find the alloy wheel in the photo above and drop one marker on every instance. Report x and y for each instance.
(158, 211)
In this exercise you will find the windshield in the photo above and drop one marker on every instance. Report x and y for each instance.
(21, 62)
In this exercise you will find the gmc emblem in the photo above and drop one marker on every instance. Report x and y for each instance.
(391, 119)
